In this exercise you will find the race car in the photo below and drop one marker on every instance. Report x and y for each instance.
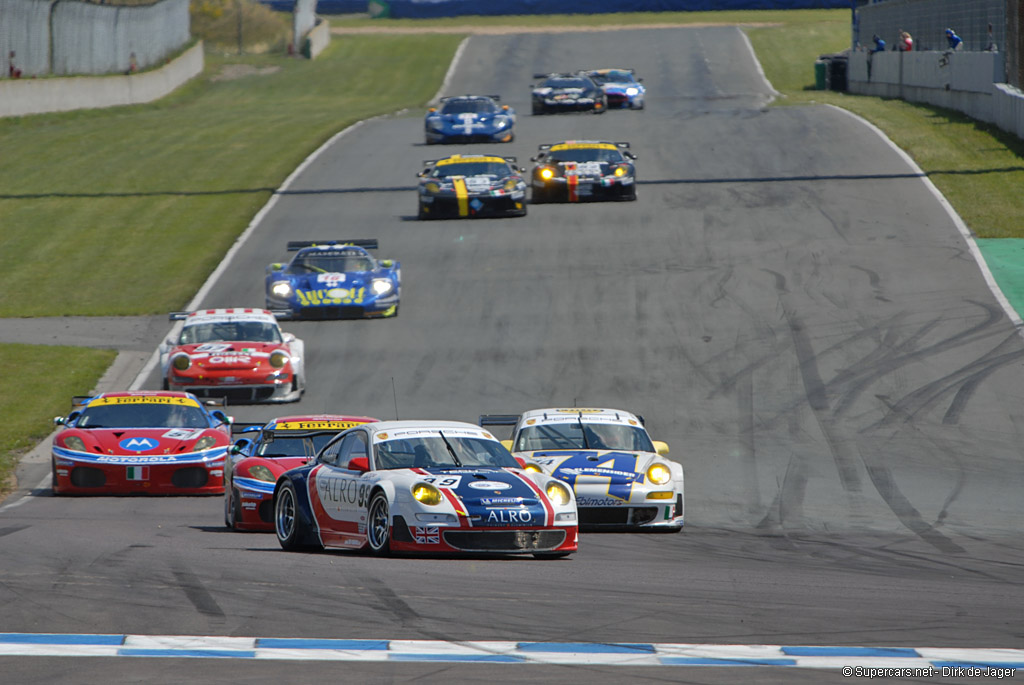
(264, 451)
(580, 170)
(334, 279)
(567, 93)
(140, 442)
(470, 119)
(622, 89)
(471, 186)
(622, 479)
(436, 487)
(238, 354)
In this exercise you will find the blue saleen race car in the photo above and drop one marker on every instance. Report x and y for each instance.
(471, 186)
(334, 279)
(621, 87)
(470, 119)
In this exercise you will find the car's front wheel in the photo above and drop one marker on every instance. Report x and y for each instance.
(378, 525)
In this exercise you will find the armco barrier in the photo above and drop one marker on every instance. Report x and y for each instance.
(964, 81)
(420, 9)
(35, 96)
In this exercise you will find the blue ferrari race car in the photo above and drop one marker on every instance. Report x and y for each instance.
(334, 279)
(621, 86)
(470, 119)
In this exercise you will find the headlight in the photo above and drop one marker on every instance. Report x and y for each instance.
(500, 122)
(546, 173)
(279, 358)
(281, 288)
(181, 362)
(511, 184)
(425, 493)
(434, 124)
(205, 442)
(558, 493)
(620, 171)
(261, 472)
(74, 443)
(533, 467)
(632, 91)
(381, 286)
(659, 474)
(432, 187)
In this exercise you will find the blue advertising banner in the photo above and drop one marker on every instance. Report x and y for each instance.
(453, 8)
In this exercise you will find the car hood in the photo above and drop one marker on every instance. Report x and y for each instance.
(142, 441)
(618, 467)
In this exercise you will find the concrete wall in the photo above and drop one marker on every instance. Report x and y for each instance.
(35, 96)
(317, 39)
(968, 82)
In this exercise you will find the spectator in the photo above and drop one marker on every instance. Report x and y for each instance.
(955, 41)
(879, 44)
(906, 42)
(990, 41)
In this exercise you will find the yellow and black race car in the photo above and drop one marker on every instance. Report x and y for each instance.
(471, 186)
(579, 170)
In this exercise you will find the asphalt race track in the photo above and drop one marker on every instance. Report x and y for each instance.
(788, 305)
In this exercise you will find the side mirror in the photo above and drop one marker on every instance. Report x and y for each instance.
(631, 155)
(423, 173)
(288, 337)
(661, 448)
(522, 170)
(221, 416)
(387, 262)
(507, 444)
(58, 420)
(360, 464)
(534, 159)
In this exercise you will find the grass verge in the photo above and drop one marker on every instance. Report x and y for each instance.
(32, 395)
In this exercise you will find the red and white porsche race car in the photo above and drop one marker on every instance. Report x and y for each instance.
(262, 452)
(158, 443)
(238, 354)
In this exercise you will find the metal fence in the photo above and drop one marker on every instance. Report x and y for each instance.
(63, 37)
(927, 20)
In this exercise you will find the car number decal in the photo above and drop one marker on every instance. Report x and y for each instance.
(444, 481)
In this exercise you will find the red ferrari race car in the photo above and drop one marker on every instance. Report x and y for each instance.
(262, 452)
(238, 354)
(160, 443)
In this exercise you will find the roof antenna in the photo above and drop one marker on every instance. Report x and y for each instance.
(395, 395)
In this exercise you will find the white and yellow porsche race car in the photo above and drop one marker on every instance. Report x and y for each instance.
(623, 480)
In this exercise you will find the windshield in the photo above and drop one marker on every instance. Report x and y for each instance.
(221, 331)
(585, 155)
(330, 264)
(432, 452)
(471, 169)
(294, 447)
(142, 416)
(473, 106)
(613, 77)
(567, 83)
(569, 436)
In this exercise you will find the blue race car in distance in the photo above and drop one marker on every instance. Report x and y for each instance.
(470, 119)
(621, 87)
(334, 279)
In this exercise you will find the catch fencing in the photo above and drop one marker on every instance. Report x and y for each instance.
(65, 37)
(454, 8)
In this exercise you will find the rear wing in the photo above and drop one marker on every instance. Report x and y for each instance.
(276, 313)
(498, 419)
(80, 400)
(366, 243)
(241, 427)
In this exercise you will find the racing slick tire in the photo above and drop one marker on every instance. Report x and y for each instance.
(232, 509)
(378, 525)
(537, 110)
(539, 197)
(53, 483)
(420, 214)
(286, 519)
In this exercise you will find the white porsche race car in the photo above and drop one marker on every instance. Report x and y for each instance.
(623, 480)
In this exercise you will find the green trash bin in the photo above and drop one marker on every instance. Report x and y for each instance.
(821, 74)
